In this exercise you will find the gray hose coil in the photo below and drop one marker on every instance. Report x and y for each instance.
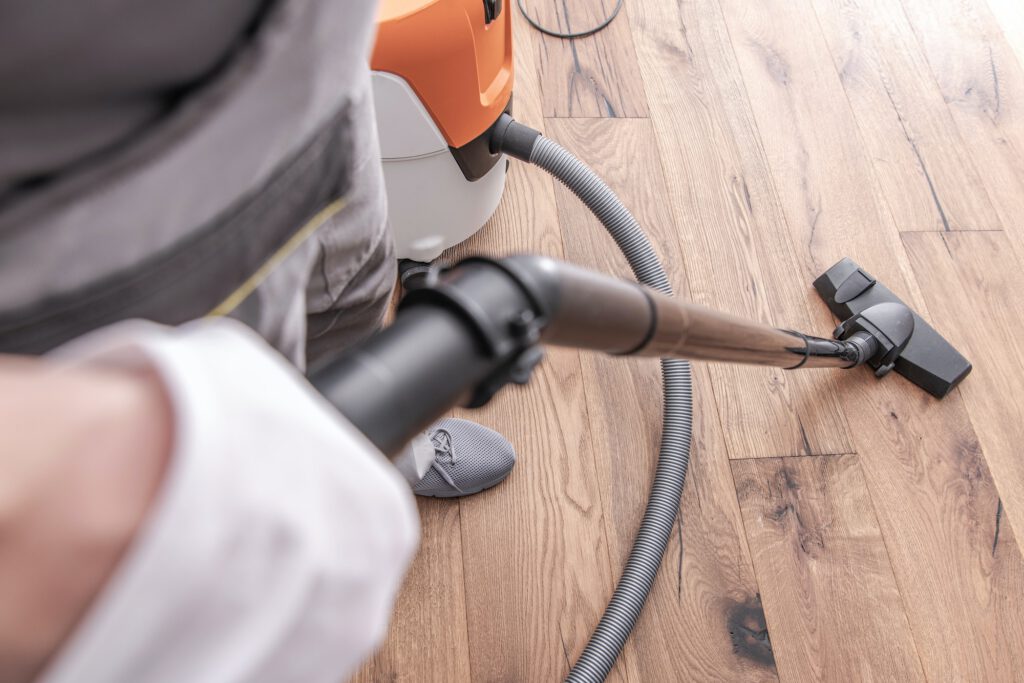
(631, 593)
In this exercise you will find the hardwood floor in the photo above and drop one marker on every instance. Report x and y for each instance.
(833, 527)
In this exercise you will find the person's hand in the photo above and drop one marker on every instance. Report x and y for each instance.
(82, 451)
(249, 532)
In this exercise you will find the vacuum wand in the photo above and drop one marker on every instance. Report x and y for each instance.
(604, 314)
(466, 332)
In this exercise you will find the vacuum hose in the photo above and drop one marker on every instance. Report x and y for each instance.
(469, 330)
(634, 586)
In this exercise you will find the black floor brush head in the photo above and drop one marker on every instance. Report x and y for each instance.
(927, 360)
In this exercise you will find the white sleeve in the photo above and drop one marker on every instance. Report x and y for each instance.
(279, 538)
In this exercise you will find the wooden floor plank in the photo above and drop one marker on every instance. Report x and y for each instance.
(927, 478)
(975, 285)
(528, 99)
(982, 82)
(705, 595)
(830, 595)
(1010, 16)
(719, 192)
(536, 559)
(595, 76)
(822, 174)
(759, 167)
(926, 172)
(535, 563)
(427, 639)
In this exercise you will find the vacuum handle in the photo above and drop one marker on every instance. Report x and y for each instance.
(477, 327)
(397, 383)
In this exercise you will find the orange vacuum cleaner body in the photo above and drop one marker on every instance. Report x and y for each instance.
(442, 75)
(457, 61)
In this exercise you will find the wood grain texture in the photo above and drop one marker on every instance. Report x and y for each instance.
(926, 173)
(974, 284)
(725, 214)
(825, 182)
(705, 595)
(532, 558)
(427, 639)
(932, 492)
(596, 76)
(824, 571)
(781, 136)
(535, 551)
(1010, 16)
(937, 507)
(536, 557)
(982, 82)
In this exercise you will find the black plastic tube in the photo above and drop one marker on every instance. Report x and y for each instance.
(634, 586)
(375, 381)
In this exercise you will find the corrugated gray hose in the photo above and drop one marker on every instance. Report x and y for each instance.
(663, 505)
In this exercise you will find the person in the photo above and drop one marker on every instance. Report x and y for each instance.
(191, 214)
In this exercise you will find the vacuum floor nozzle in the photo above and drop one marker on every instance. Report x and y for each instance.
(926, 359)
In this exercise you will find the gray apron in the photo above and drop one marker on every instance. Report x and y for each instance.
(156, 156)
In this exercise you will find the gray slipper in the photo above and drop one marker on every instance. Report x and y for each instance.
(468, 458)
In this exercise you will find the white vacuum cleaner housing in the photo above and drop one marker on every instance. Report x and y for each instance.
(442, 75)
(431, 204)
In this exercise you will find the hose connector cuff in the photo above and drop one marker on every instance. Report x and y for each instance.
(510, 137)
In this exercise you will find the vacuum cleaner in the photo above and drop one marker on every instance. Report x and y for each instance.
(441, 76)
(463, 333)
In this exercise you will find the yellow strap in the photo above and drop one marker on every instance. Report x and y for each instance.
(256, 279)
